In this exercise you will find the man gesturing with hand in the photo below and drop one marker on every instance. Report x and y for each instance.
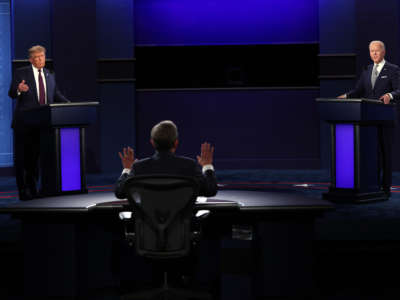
(164, 138)
(31, 86)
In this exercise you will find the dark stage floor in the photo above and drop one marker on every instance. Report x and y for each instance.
(356, 245)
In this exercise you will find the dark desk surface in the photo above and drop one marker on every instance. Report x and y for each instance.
(224, 200)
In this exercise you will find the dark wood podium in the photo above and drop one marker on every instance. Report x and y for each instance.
(354, 140)
(62, 145)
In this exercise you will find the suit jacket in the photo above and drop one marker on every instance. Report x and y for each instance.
(388, 81)
(29, 99)
(166, 162)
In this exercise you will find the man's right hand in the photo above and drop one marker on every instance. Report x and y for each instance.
(342, 96)
(23, 87)
(127, 157)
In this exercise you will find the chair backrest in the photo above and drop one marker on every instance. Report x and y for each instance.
(162, 210)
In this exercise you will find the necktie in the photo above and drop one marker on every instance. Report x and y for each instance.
(42, 96)
(374, 75)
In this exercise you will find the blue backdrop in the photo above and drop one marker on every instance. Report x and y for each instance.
(211, 22)
(32, 26)
(6, 142)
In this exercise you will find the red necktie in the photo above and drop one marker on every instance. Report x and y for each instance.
(42, 97)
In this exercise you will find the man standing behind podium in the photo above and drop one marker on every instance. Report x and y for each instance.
(31, 86)
(380, 80)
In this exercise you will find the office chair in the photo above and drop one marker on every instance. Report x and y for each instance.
(162, 211)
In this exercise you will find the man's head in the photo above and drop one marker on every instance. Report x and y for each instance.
(377, 51)
(164, 136)
(37, 56)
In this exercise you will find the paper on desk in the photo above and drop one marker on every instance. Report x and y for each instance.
(201, 199)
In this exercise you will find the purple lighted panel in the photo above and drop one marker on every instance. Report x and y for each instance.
(211, 22)
(70, 149)
(344, 156)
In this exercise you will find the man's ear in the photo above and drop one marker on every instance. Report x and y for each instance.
(152, 143)
(173, 149)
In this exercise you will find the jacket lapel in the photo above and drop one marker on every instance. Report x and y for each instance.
(384, 72)
(48, 82)
(32, 84)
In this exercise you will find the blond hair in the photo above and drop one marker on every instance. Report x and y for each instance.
(36, 49)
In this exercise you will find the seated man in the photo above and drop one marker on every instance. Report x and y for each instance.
(164, 138)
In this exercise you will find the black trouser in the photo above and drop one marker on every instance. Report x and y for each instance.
(26, 159)
(385, 136)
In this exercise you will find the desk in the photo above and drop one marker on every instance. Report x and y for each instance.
(68, 239)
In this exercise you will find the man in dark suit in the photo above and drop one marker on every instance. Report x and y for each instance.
(31, 86)
(164, 138)
(380, 80)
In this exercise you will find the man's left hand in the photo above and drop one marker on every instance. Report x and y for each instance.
(206, 155)
(385, 98)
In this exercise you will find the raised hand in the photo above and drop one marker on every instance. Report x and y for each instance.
(23, 87)
(206, 155)
(127, 157)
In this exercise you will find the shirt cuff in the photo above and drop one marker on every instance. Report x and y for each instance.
(126, 171)
(208, 167)
(391, 96)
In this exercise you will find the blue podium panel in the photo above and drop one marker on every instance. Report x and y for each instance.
(344, 144)
(70, 151)
(6, 141)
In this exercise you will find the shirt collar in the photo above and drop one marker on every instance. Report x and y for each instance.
(163, 153)
(36, 70)
(381, 64)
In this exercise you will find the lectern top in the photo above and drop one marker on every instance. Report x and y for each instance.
(352, 100)
(69, 104)
(367, 111)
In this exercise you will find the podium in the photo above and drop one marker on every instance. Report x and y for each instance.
(354, 127)
(62, 145)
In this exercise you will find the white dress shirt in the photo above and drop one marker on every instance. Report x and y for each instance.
(36, 76)
(380, 66)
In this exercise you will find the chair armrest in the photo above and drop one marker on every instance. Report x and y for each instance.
(202, 214)
(126, 217)
(199, 217)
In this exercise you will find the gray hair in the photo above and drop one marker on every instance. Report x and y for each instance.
(382, 44)
(36, 49)
(164, 135)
